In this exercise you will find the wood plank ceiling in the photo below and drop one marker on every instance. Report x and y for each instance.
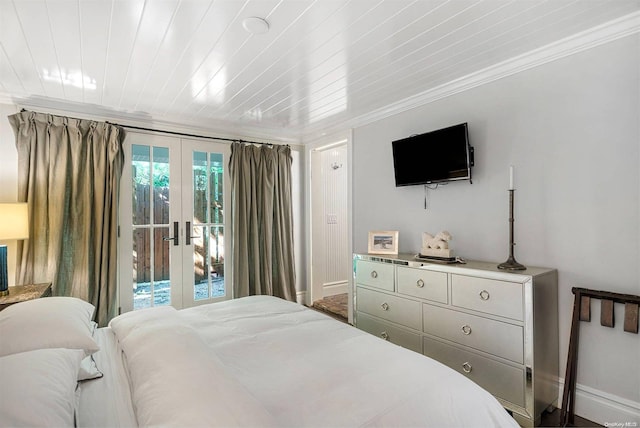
(322, 63)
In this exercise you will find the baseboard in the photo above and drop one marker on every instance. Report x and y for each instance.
(301, 297)
(333, 288)
(604, 408)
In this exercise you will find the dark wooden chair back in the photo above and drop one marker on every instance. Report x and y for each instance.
(582, 312)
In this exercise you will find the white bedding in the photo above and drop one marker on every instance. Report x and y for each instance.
(176, 381)
(106, 402)
(261, 361)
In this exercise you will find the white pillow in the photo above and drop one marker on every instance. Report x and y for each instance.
(88, 368)
(38, 388)
(49, 322)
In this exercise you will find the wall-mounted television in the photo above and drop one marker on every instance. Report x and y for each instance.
(433, 157)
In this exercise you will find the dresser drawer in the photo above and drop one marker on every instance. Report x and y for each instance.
(389, 332)
(501, 298)
(495, 337)
(422, 283)
(502, 380)
(391, 308)
(374, 274)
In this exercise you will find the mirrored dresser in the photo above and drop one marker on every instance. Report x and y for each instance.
(499, 328)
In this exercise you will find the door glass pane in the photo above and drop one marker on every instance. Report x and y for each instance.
(208, 258)
(216, 260)
(215, 186)
(208, 244)
(201, 269)
(141, 269)
(199, 187)
(140, 170)
(160, 185)
(151, 262)
(161, 263)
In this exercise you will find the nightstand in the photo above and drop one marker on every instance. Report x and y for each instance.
(22, 293)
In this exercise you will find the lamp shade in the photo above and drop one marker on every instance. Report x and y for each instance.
(14, 221)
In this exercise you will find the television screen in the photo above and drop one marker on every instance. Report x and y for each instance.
(433, 157)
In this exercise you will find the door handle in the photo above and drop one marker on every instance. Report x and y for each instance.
(188, 237)
(176, 235)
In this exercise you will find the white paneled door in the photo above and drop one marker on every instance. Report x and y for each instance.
(332, 262)
(172, 222)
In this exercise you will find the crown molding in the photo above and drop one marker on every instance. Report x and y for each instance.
(143, 120)
(596, 36)
(6, 99)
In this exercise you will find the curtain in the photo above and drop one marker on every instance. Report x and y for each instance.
(69, 174)
(262, 221)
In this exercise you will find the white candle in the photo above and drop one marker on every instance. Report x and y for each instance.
(510, 177)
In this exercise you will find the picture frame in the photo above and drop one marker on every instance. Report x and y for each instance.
(383, 242)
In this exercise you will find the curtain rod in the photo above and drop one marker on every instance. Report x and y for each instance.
(184, 134)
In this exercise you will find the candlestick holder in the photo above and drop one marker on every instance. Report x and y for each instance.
(511, 263)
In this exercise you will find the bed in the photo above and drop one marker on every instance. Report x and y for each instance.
(254, 361)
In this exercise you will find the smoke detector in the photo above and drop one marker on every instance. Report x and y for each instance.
(255, 25)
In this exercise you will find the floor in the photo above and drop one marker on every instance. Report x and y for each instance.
(553, 420)
(336, 306)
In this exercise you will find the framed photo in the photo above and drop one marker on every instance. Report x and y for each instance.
(383, 242)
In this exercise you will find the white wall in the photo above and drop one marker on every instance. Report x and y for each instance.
(571, 129)
(8, 178)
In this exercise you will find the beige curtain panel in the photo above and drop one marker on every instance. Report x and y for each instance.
(69, 173)
(262, 221)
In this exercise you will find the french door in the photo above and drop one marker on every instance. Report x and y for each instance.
(172, 222)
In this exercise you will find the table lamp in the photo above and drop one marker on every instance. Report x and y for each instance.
(14, 225)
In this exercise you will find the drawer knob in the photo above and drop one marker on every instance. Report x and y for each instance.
(420, 283)
(484, 295)
(385, 306)
(466, 329)
(466, 367)
(374, 274)
(384, 335)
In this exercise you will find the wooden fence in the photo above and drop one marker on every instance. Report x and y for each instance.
(142, 240)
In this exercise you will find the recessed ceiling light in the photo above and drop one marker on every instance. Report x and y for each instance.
(255, 25)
